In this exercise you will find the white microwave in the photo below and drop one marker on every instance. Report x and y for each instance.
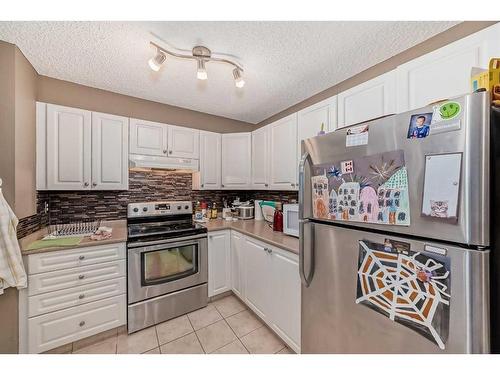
(291, 219)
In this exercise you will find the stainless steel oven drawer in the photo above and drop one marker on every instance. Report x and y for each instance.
(147, 313)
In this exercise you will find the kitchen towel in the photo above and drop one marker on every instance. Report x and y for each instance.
(56, 242)
(12, 272)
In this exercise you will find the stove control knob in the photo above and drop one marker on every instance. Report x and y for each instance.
(186, 207)
(179, 207)
(144, 209)
(136, 209)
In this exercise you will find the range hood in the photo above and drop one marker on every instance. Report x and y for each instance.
(162, 162)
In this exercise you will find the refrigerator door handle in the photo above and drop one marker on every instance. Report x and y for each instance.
(306, 279)
(302, 165)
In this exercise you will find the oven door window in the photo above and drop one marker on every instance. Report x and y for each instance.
(160, 266)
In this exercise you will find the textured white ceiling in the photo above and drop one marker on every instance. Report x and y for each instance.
(284, 62)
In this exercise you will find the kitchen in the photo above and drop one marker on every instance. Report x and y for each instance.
(169, 226)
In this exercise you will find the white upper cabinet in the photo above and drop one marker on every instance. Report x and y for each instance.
(236, 160)
(210, 160)
(369, 100)
(109, 152)
(445, 72)
(183, 142)
(310, 120)
(68, 148)
(283, 160)
(260, 158)
(148, 138)
(80, 150)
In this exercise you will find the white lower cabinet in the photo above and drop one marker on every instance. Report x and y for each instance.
(286, 289)
(264, 277)
(72, 294)
(219, 262)
(237, 259)
(272, 288)
(49, 331)
(258, 274)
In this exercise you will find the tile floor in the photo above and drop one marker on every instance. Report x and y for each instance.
(225, 326)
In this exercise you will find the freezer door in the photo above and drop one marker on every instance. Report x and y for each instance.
(363, 298)
(469, 141)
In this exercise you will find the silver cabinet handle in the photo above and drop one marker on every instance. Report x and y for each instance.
(82, 323)
(293, 185)
(222, 185)
(86, 184)
(170, 152)
(265, 249)
(81, 257)
(266, 185)
(81, 296)
(269, 250)
(164, 151)
(202, 185)
(94, 184)
(81, 277)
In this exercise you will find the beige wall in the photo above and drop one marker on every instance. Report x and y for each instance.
(51, 90)
(454, 33)
(7, 118)
(8, 300)
(25, 136)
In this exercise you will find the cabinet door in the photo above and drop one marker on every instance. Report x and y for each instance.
(236, 160)
(369, 100)
(283, 160)
(219, 263)
(237, 253)
(183, 142)
(109, 152)
(258, 278)
(286, 289)
(210, 160)
(68, 148)
(148, 138)
(310, 119)
(445, 72)
(260, 158)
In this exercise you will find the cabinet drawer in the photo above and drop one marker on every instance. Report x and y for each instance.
(71, 258)
(58, 328)
(62, 299)
(73, 277)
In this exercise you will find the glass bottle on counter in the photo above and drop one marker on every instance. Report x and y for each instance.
(197, 211)
(214, 211)
(278, 218)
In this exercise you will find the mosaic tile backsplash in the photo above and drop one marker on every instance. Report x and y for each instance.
(144, 185)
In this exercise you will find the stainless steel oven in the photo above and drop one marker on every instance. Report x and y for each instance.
(167, 263)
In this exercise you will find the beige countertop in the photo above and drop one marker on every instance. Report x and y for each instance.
(119, 234)
(259, 230)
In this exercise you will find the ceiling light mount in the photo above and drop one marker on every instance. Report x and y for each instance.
(202, 55)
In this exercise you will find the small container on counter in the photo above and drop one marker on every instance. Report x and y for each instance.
(278, 218)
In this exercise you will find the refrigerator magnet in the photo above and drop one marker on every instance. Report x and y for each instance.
(420, 125)
(357, 136)
(442, 186)
(347, 166)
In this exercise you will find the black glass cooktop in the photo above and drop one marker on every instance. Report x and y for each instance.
(152, 228)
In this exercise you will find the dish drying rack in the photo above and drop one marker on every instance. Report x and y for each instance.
(76, 229)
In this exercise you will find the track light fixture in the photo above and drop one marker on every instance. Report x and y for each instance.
(202, 55)
(202, 71)
(238, 79)
(157, 60)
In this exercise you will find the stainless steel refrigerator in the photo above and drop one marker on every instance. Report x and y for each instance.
(395, 233)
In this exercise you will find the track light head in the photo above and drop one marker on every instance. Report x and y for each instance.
(238, 79)
(157, 61)
(202, 71)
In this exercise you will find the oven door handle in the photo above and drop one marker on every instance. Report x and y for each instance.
(166, 241)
